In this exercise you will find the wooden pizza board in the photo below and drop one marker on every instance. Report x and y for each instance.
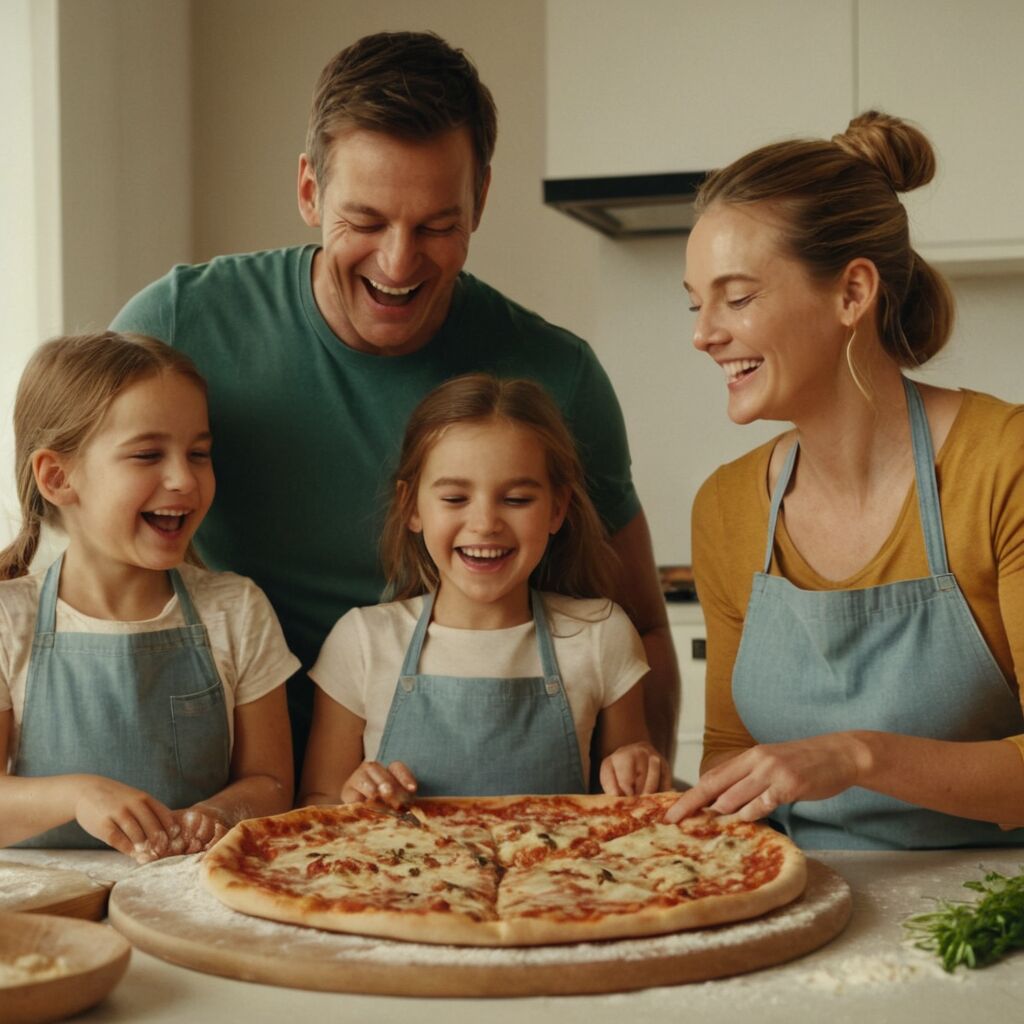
(164, 910)
(48, 890)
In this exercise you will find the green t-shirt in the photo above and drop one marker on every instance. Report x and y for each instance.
(307, 430)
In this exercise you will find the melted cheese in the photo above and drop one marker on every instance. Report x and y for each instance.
(389, 866)
(573, 888)
(669, 858)
(518, 841)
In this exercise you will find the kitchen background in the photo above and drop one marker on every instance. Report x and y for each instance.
(141, 133)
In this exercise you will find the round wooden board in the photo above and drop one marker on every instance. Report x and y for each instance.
(49, 890)
(164, 910)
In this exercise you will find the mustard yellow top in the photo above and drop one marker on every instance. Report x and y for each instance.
(980, 473)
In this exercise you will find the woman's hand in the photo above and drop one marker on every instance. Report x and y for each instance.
(392, 785)
(125, 818)
(752, 784)
(634, 768)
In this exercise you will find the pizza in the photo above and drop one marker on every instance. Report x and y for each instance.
(503, 871)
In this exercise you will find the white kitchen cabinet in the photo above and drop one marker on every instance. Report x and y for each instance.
(688, 635)
(676, 85)
(955, 68)
(680, 85)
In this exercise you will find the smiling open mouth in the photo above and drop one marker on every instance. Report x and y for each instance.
(737, 369)
(484, 557)
(385, 295)
(166, 520)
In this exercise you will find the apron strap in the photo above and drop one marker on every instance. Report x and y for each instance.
(777, 495)
(188, 609)
(545, 645)
(927, 487)
(46, 617)
(924, 473)
(411, 664)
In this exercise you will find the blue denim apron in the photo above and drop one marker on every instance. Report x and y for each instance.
(465, 736)
(902, 657)
(146, 709)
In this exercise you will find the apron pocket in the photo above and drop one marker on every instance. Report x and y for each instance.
(201, 738)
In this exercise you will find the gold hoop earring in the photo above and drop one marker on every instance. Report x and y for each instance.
(857, 381)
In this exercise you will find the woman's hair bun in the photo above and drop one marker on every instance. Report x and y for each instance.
(900, 150)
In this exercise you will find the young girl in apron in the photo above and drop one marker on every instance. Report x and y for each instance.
(488, 672)
(864, 597)
(141, 704)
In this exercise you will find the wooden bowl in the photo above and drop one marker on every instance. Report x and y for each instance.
(96, 957)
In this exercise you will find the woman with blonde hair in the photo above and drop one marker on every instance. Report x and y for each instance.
(862, 575)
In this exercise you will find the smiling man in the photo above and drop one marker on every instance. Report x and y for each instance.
(316, 354)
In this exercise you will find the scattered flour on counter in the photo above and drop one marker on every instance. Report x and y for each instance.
(872, 971)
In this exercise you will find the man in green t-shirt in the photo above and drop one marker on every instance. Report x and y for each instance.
(315, 355)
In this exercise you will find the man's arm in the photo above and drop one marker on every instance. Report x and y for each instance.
(639, 593)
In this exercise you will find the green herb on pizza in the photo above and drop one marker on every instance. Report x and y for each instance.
(974, 933)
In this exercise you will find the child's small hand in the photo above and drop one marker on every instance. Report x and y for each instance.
(633, 769)
(200, 828)
(195, 829)
(125, 818)
(372, 781)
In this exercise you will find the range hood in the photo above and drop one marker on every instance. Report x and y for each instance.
(628, 205)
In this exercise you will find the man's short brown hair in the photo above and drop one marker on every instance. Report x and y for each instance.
(412, 85)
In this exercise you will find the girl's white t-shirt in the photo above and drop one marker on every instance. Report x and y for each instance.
(599, 652)
(248, 646)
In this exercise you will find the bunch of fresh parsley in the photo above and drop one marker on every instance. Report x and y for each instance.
(974, 933)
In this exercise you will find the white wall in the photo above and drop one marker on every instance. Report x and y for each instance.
(30, 240)
(125, 150)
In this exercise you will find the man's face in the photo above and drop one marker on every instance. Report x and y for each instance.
(395, 217)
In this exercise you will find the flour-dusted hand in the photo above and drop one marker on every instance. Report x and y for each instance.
(195, 829)
(392, 785)
(752, 784)
(122, 816)
(201, 827)
(633, 769)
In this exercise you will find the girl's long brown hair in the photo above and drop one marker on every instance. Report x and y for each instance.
(579, 561)
(64, 393)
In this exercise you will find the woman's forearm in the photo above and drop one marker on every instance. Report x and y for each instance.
(983, 781)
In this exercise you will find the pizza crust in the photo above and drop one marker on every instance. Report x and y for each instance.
(257, 869)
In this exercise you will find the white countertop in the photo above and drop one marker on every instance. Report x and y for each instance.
(867, 973)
